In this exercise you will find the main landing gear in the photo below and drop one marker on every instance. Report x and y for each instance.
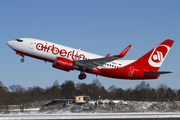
(82, 76)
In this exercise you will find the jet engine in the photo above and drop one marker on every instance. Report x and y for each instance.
(63, 64)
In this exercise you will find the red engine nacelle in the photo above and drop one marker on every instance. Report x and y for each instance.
(63, 64)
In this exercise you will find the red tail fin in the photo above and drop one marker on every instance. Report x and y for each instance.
(152, 60)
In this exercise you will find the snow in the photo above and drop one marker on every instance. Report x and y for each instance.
(90, 116)
(123, 109)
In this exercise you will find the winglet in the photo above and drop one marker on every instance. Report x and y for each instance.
(123, 53)
(107, 55)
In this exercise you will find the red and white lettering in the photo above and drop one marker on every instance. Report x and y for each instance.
(82, 56)
(62, 52)
(72, 53)
(55, 50)
(39, 46)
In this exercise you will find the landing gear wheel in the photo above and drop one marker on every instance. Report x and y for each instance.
(22, 60)
(82, 76)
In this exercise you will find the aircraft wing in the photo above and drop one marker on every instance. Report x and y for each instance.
(94, 63)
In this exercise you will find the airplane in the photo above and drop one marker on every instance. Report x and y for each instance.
(67, 59)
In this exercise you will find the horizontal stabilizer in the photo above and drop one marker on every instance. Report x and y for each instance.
(157, 72)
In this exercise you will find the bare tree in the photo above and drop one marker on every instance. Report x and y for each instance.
(56, 89)
(94, 91)
(36, 93)
(19, 95)
(82, 88)
(170, 94)
(68, 89)
(178, 94)
(103, 92)
(97, 82)
(4, 93)
(161, 92)
(141, 91)
(112, 92)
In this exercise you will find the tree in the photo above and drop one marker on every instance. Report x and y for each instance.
(82, 89)
(127, 94)
(36, 93)
(4, 93)
(120, 92)
(68, 89)
(170, 94)
(97, 82)
(56, 89)
(178, 94)
(103, 92)
(115, 93)
(152, 95)
(142, 90)
(94, 91)
(161, 92)
(19, 95)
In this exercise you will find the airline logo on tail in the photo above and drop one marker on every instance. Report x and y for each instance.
(158, 55)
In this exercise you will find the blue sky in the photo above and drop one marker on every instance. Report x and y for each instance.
(100, 26)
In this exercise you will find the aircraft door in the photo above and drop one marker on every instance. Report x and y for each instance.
(31, 44)
(13, 43)
(131, 71)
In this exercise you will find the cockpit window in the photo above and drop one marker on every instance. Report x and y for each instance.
(19, 40)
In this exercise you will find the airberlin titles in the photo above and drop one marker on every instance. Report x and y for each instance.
(61, 52)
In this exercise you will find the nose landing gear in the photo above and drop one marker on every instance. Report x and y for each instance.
(22, 60)
(21, 54)
(82, 76)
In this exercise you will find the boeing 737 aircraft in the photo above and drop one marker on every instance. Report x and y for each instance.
(66, 58)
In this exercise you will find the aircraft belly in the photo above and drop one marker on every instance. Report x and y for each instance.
(46, 56)
(122, 73)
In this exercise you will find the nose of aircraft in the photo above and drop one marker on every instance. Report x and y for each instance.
(9, 43)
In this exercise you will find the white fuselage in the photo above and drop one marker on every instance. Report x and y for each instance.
(43, 49)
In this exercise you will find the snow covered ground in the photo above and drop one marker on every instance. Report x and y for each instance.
(131, 109)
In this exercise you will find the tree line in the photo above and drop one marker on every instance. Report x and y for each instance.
(18, 95)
